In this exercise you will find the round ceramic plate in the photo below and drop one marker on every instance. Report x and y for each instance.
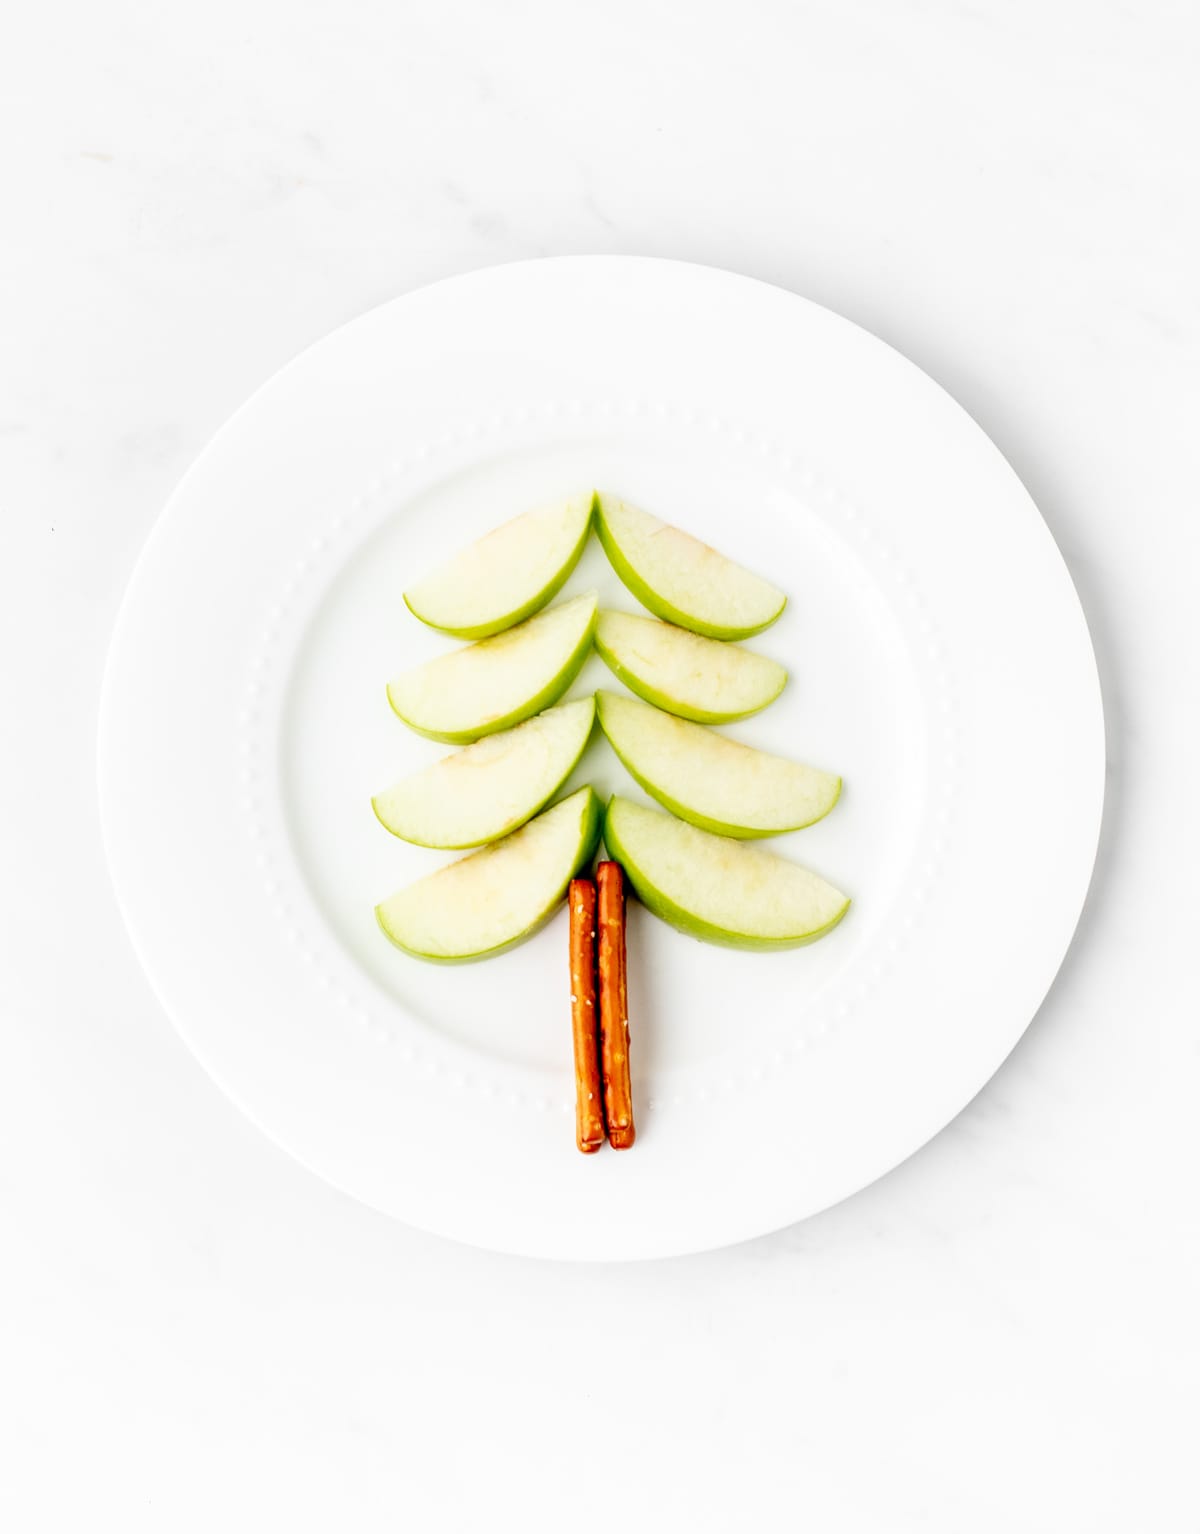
(939, 661)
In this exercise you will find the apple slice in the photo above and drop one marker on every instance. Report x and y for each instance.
(682, 579)
(697, 678)
(494, 684)
(717, 889)
(507, 575)
(495, 898)
(487, 790)
(714, 782)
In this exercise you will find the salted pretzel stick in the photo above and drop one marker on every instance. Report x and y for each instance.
(614, 1006)
(589, 1107)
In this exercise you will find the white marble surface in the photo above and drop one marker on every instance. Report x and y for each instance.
(194, 1333)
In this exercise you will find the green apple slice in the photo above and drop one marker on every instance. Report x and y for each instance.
(682, 579)
(495, 898)
(505, 576)
(493, 684)
(715, 783)
(697, 678)
(719, 890)
(487, 790)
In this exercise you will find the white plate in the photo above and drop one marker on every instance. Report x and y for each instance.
(939, 660)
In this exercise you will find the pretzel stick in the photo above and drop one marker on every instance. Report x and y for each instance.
(589, 1112)
(614, 1007)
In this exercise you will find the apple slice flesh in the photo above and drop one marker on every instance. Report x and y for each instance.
(697, 678)
(499, 896)
(487, 790)
(715, 783)
(681, 579)
(719, 890)
(507, 575)
(498, 682)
